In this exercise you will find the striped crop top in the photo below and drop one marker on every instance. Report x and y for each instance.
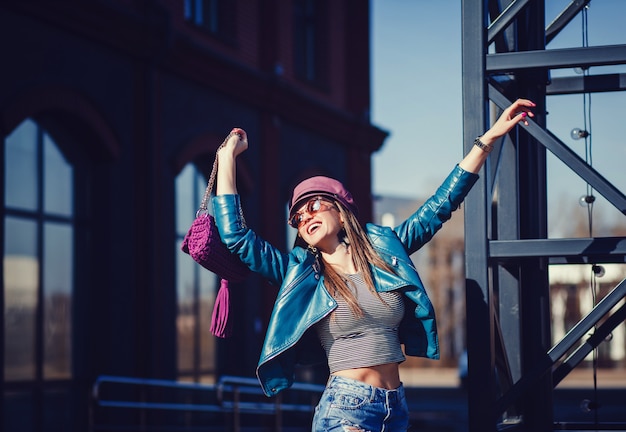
(354, 342)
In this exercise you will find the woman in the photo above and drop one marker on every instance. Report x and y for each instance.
(349, 294)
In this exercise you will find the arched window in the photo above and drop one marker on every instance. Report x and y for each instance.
(38, 264)
(195, 287)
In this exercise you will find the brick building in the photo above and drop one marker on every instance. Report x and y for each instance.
(110, 114)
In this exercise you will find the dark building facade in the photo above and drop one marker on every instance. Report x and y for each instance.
(110, 115)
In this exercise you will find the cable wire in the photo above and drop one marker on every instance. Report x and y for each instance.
(590, 202)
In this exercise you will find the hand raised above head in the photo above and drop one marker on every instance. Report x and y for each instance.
(235, 144)
(240, 132)
(517, 112)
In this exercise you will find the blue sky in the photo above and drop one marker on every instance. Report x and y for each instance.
(416, 97)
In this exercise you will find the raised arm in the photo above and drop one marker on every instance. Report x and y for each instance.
(259, 255)
(517, 112)
(236, 143)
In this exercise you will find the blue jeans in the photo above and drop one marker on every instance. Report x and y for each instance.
(348, 405)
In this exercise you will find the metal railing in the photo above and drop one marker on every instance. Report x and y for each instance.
(232, 395)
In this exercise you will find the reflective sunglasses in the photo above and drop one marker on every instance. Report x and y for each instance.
(313, 206)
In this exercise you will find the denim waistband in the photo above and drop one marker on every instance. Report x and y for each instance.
(373, 393)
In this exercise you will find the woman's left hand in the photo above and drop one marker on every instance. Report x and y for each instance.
(517, 112)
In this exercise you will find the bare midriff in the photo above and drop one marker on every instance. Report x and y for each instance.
(385, 376)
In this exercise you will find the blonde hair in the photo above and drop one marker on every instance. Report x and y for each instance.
(363, 255)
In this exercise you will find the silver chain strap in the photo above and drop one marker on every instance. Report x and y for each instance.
(203, 210)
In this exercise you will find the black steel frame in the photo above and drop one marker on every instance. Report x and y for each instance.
(513, 368)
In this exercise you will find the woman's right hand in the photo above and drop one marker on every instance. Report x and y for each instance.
(236, 143)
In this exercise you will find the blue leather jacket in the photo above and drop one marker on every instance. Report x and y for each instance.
(302, 299)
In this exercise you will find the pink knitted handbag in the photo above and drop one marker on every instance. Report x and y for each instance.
(203, 243)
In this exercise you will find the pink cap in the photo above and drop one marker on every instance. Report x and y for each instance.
(322, 186)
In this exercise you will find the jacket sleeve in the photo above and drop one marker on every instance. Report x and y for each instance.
(259, 255)
(422, 225)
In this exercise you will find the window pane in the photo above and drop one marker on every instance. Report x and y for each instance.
(188, 9)
(211, 16)
(196, 287)
(21, 167)
(21, 270)
(185, 321)
(205, 14)
(208, 292)
(305, 39)
(188, 199)
(217, 17)
(57, 285)
(199, 12)
(58, 196)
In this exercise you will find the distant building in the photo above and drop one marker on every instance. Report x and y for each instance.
(441, 266)
(574, 290)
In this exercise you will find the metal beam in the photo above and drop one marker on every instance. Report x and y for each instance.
(599, 335)
(564, 18)
(587, 84)
(561, 348)
(479, 307)
(567, 156)
(573, 84)
(602, 249)
(556, 58)
(511, 200)
(507, 16)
